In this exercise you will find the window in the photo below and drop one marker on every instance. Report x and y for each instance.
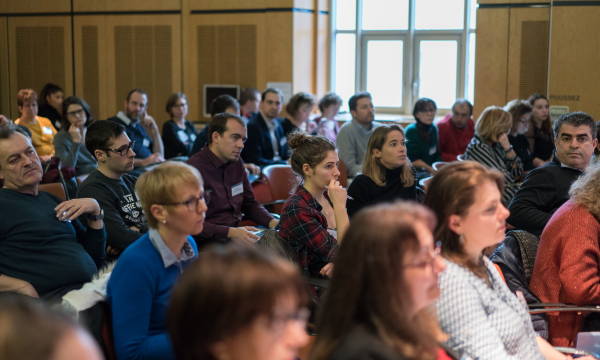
(401, 50)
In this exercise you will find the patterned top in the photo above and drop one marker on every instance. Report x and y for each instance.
(485, 323)
(305, 228)
(494, 157)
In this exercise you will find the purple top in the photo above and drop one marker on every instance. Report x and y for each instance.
(225, 209)
(328, 128)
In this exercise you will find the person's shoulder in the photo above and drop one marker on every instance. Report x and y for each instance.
(136, 255)
(170, 124)
(360, 344)
(411, 128)
(44, 121)
(129, 179)
(345, 126)
(361, 181)
(116, 119)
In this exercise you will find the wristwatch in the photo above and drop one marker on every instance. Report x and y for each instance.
(507, 151)
(96, 217)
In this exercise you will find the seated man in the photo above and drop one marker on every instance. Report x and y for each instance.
(231, 195)
(44, 250)
(354, 135)
(112, 186)
(267, 144)
(221, 104)
(545, 189)
(456, 130)
(141, 128)
(249, 102)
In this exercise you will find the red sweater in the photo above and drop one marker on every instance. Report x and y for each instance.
(452, 140)
(567, 268)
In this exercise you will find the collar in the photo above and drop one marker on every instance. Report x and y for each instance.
(393, 174)
(167, 256)
(124, 118)
(307, 196)
(271, 125)
(212, 158)
(424, 126)
(362, 128)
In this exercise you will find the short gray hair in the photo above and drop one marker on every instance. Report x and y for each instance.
(8, 130)
(576, 119)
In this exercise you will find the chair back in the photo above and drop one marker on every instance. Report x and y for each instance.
(343, 178)
(56, 189)
(460, 157)
(423, 183)
(281, 179)
(438, 165)
(81, 178)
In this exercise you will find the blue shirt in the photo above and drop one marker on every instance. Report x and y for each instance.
(136, 132)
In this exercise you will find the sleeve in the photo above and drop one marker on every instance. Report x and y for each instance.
(213, 232)
(413, 144)
(93, 240)
(444, 144)
(485, 155)
(438, 152)
(119, 235)
(529, 207)
(252, 208)
(514, 166)
(171, 139)
(358, 191)
(131, 320)
(66, 150)
(347, 150)
(252, 152)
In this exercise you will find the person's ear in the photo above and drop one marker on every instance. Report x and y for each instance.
(1, 175)
(555, 143)
(307, 170)
(595, 143)
(353, 113)
(159, 212)
(215, 137)
(100, 155)
(219, 350)
(377, 153)
(125, 104)
(455, 224)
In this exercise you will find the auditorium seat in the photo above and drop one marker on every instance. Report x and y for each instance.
(56, 189)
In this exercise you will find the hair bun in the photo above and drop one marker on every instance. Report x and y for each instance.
(297, 138)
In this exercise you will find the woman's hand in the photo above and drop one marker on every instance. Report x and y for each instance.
(75, 133)
(337, 194)
(327, 270)
(503, 140)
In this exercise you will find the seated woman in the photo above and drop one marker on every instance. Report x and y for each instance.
(567, 265)
(42, 130)
(386, 276)
(299, 107)
(540, 134)
(520, 110)
(69, 142)
(50, 104)
(422, 138)
(386, 172)
(178, 134)
(140, 286)
(326, 123)
(483, 318)
(490, 147)
(314, 218)
(238, 303)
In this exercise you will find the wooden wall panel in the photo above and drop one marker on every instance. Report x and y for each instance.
(304, 53)
(4, 73)
(491, 59)
(37, 6)
(322, 57)
(129, 5)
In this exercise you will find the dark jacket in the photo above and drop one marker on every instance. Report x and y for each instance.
(361, 344)
(258, 148)
(544, 190)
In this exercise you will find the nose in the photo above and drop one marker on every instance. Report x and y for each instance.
(439, 265)
(574, 143)
(202, 207)
(337, 172)
(295, 335)
(504, 213)
(131, 152)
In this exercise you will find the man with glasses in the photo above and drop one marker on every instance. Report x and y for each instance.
(225, 178)
(545, 189)
(112, 186)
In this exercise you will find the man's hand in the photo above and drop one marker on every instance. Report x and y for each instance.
(148, 123)
(243, 235)
(134, 228)
(327, 270)
(273, 223)
(70, 210)
(8, 283)
(254, 170)
(112, 251)
(154, 158)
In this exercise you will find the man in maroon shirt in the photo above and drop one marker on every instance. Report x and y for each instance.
(225, 177)
(456, 130)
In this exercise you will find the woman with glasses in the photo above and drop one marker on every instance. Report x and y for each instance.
(138, 292)
(520, 110)
(42, 130)
(178, 134)
(422, 138)
(69, 142)
(238, 303)
(490, 146)
(482, 317)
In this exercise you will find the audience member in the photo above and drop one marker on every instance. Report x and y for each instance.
(249, 102)
(112, 186)
(490, 147)
(238, 303)
(540, 134)
(354, 135)
(567, 264)
(520, 110)
(41, 129)
(314, 218)
(141, 129)
(69, 142)
(386, 276)
(50, 104)
(547, 188)
(178, 134)
(456, 130)
(386, 174)
(327, 126)
(5, 121)
(299, 107)
(45, 251)
(56, 336)
(266, 142)
(594, 159)
(422, 138)
(225, 178)
(483, 318)
(221, 104)
(141, 283)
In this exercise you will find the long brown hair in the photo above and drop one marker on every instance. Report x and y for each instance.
(365, 290)
(546, 124)
(452, 192)
(372, 166)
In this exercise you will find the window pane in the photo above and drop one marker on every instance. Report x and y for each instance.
(384, 72)
(471, 76)
(345, 14)
(385, 15)
(439, 14)
(437, 71)
(474, 7)
(345, 59)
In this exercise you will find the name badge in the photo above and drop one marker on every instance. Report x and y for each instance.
(237, 189)
(432, 150)
(183, 137)
(146, 143)
(47, 130)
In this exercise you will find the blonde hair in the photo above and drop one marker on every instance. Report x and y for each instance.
(160, 185)
(493, 121)
(372, 166)
(586, 190)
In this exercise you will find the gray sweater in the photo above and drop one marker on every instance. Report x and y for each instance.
(352, 142)
(73, 154)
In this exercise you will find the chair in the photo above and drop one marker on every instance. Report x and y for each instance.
(343, 178)
(438, 165)
(56, 189)
(281, 179)
(81, 178)
(423, 183)
(460, 157)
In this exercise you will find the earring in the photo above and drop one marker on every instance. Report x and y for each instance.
(164, 221)
(461, 238)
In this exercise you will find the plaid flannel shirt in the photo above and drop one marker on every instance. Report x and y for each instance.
(305, 228)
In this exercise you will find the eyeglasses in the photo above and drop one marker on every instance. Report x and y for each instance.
(279, 321)
(76, 113)
(192, 204)
(431, 261)
(428, 110)
(123, 150)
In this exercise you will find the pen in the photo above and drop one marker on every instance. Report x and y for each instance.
(347, 196)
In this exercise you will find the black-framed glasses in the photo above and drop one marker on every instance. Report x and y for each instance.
(123, 150)
(192, 204)
(79, 112)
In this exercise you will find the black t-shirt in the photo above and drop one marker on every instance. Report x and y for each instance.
(178, 141)
(50, 113)
(521, 147)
